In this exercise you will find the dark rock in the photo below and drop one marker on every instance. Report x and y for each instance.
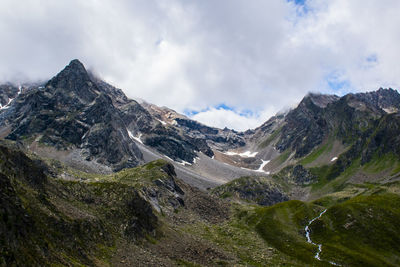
(175, 148)
(73, 79)
(305, 128)
(141, 220)
(73, 112)
(302, 176)
(260, 190)
(17, 165)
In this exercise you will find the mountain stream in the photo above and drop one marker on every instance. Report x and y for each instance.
(307, 230)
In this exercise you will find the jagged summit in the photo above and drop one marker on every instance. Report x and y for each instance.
(76, 64)
(75, 67)
(75, 78)
(321, 100)
(386, 99)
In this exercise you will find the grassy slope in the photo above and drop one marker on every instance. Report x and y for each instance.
(70, 222)
(239, 237)
(361, 231)
(360, 227)
(282, 226)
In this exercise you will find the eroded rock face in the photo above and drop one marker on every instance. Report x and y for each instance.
(202, 136)
(8, 91)
(305, 127)
(298, 175)
(302, 176)
(260, 190)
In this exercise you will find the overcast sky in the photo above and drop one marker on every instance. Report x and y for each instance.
(227, 63)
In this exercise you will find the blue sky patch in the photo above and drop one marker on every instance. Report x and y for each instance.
(373, 58)
(337, 83)
(244, 113)
(298, 2)
(190, 113)
(302, 7)
(224, 106)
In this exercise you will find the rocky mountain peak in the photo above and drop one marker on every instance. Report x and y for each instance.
(321, 100)
(387, 100)
(74, 78)
(76, 64)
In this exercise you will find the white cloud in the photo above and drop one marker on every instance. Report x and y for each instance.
(221, 118)
(256, 55)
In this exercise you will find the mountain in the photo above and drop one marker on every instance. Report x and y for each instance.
(321, 120)
(92, 126)
(70, 112)
(90, 177)
(94, 121)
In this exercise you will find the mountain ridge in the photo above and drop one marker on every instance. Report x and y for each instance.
(90, 177)
(73, 90)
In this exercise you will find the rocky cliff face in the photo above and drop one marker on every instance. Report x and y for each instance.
(260, 190)
(205, 137)
(305, 127)
(72, 112)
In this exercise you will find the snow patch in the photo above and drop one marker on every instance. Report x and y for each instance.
(11, 99)
(135, 138)
(246, 154)
(83, 137)
(8, 104)
(183, 163)
(333, 159)
(390, 110)
(162, 122)
(168, 158)
(261, 168)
